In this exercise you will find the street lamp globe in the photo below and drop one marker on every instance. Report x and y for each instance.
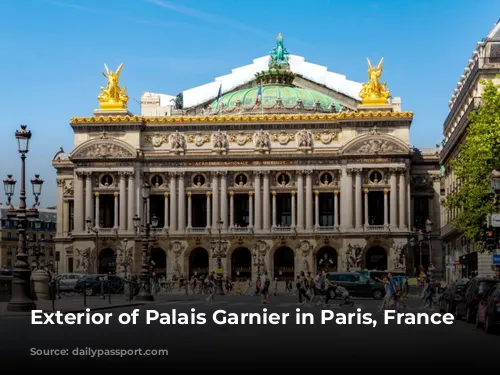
(495, 180)
(37, 183)
(137, 221)
(420, 236)
(9, 186)
(154, 221)
(428, 225)
(145, 190)
(23, 137)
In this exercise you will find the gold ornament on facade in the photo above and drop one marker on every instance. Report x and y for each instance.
(283, 138)
(326, 137)
(240, 118)
(156, 140)
(113, 97)
(198, 139)
(240, 138)
(374, 92)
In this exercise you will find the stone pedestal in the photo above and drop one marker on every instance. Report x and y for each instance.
(41, 284)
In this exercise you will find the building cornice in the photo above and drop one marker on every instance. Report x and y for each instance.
(368, 115)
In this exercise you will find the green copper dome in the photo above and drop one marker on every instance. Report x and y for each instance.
(270, 93)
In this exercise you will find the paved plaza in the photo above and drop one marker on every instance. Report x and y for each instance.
(253, 344)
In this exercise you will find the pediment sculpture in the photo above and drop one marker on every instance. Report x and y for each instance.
(103, 149)
(354, 257)
(261, 140)
(177, 142)
(219, 140)
(371, 144)
(304, 139)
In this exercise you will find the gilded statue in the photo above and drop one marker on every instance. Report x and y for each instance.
(279, 55)
(374, 92)
(113, 97)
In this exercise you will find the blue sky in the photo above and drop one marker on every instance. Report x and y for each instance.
(52, 55)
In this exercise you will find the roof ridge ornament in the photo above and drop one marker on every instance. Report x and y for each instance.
(374, 92)
(279, 55)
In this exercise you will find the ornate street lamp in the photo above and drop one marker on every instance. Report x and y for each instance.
(428, 228)
(219, 253)
(21, 299)
(91, 229)
(495, 181)
(144, 233)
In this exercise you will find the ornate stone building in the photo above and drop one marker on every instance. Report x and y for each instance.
(295, 167)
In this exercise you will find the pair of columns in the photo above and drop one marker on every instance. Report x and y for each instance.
(84, 198)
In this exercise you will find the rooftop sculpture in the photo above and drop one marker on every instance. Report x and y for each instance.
(113, 97)
(374, 92)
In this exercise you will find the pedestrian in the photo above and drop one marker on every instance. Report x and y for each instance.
(211, 288)
(248, 288)
(300, 284)
(264, 292)
(330, 288)
(385, 300)
(258, 286)
(275, 286)
(428, 294)
(319, 287)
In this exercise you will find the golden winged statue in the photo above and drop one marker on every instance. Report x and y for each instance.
(374, 92)
(112, 97)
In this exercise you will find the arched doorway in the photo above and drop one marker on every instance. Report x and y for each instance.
(376, 259)
(241, 264)
(284, 263)
(159, 262)
(198, 262)
(326, 259)
(107, 261)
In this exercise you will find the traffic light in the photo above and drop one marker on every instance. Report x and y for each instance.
(490, 240)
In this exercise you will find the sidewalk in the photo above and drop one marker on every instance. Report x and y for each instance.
(76, 304)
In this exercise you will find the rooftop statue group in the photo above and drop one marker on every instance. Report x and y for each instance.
(279, 55)
(113, 97)
(374, 92)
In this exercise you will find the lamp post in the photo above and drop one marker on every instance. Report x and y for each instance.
(36, 248)
(428, 228)
(419, 237)
(21, 299)
(91, 229)
(219, 252)
(144, 232)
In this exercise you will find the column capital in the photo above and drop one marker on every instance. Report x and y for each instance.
(214, 173)
(386, 191)
(393, 170)
(87, 174)
(80, 175)
(316, 193)
(116, 195)
(273, 193)
(122, 173)
(308, 172)
(180, 174)
(60, 183)
(130, 174)
(336, 193)
(358, 171)
(250, 193)
(350, 171)
(401, 170)
(189, 194)
(231, 193)
(209, 194)
(96, 195)
(223, 173)
(165, 195)
(265, 173)
(436, 178)
(172, 175)
(293, 192)
(300, 172)
(365, 191)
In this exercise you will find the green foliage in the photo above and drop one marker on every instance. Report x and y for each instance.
(477, 157)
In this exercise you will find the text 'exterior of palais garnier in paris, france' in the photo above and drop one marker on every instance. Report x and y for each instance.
(294, 168)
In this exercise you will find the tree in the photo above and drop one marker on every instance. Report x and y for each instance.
(478, 155)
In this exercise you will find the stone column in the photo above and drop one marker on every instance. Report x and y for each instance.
(79, 220)
(65, 217)
(336, 209)
(231, 209)
(123, 202)
(316, 209)
(309, 201)
(436, 184)
(266, 203)
(165, 213)
(346, 194)
(358, 215)
(60, 207)
(250, 209)
(89, 201)
(215, 199)
(173, 203)
(138, 197)
(190, 211)
(274, 208)
(258, 202)
(181, 225)
(402, 200)
(96, 219)
(131, 202)
(223, 197)
(394, 199)
(294, 214)
(300, 200)
(367, 217)
(115, 215)
(386, 208)
(209, 210)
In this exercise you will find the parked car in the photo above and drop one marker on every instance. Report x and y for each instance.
(488, 311)
(95, 284)
(475, 289)
(66, 282)
(450, 297)
(378, 275)
(358, 285)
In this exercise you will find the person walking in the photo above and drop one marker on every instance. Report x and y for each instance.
(211, 288)
(300, 284)
(275, 286)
